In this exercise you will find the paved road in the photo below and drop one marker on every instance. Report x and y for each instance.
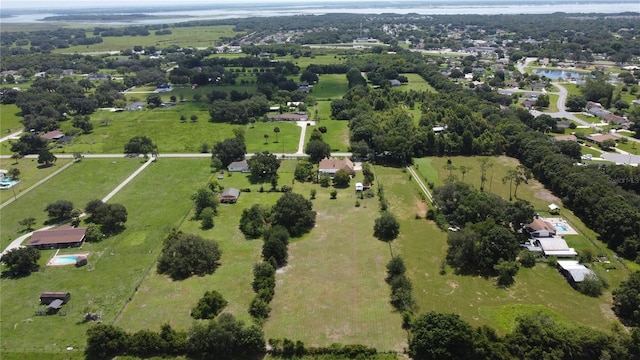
(18, 242)
(15, 135)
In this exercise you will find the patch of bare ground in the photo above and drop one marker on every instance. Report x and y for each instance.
(543, 194)
(421, 208)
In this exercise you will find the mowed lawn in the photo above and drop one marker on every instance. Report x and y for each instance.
(83, 181)
(330, 86)
(157, 200)
(285, 141)
(30, 173)
(333, 290)
(10, 121)
(417, 83)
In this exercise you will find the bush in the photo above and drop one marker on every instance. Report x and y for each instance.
(322, 129)
(527, 258)
(333, 194)
(209, 306)
(591, 285)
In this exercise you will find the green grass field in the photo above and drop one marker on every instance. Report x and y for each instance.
(157, 200)
(333, 289)
(288, 137)
(30, 173)
(84, 181)
(478, 300)
(417, 83)
(201, 36)
(9, 119)
(330, 86)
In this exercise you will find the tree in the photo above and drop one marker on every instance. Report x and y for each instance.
(367, 173)
(140, 145)
(16, 156)
(266, 138)
(506, 271)
(333, 194)
(22, 260)
(317, 150)
(28, 222)
(209, 306)
(304, 171)
(105, 341)
(46, 157)
(626, 300)
(154, 100)
(277, 131)
(309, 76)
(14, 173)
(441, 337)
(252, 221)
(341, 179)
(93, 233)
(59, 210)
(575, 103)
(386, 227)
(184, 255)
(275, 244)
(83, 123)
(606, 145)
(110, 216)
(229, 150)
(264, 166)
(542, 101)
(206, 215)
(295, 213)
(477, 248)
(205, 198)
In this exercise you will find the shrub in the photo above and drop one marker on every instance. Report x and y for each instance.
(334, 194)
(209, 306)
(527, 258)
(591, 285)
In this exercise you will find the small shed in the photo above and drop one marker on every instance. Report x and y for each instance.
(48, 297)
(359, 186)
(54, 306)
(230, 196)
(82, 260)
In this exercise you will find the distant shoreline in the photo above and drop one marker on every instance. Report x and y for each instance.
(167, 14)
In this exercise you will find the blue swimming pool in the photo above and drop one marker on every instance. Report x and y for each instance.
(8, 184)
(561, 227)
(64, 260)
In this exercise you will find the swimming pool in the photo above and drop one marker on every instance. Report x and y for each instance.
(561, 227)
(8, 184)
(64, 260)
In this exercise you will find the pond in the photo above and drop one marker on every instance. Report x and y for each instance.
(561, 74)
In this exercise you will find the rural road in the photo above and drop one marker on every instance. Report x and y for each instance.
(15, 135)
(417, 178)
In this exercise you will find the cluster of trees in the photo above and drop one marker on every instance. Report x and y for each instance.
(110, 216)
(206, 201)
(21, 261)
(239, 112)
(401, 289)
(59, 210)
(264, 285)
(446, 336)
(264, 167)
(317, 148)
(286, 348)
(184, 255)
(220, 338)
(140, 145)
(229, 150)
(626, 300)
(253, 221)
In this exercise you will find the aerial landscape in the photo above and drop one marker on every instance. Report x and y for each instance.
(320, 180)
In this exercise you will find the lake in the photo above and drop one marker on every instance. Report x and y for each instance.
(561, 74)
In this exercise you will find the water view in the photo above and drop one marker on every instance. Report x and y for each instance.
(561, 74)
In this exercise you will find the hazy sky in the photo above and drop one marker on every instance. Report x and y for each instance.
(115, 3)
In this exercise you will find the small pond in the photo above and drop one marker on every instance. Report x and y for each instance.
(561, 74)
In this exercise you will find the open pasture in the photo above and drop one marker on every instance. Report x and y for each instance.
(83, 181)
(197, 37)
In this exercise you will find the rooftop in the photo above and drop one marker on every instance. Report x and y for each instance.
(61, 235)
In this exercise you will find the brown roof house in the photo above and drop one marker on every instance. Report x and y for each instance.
(600, 138)
(540, 228)
(230, 196)
(65, 236)
(53, 135)
(331, 166)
